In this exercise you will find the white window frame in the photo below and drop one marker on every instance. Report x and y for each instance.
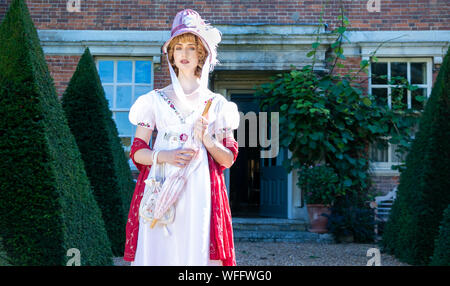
(386, 167)
(115, 84)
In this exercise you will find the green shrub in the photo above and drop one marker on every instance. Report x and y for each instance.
(349, 216)
(320, 184)
(423, 190)
(441, 256)
(46, 201)
(90, 121)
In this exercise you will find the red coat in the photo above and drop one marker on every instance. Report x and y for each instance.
(221, 230)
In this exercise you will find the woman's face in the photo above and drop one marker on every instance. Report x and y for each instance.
(186, 57)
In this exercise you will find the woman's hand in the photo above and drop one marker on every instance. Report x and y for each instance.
(200, 128)
(177, 157)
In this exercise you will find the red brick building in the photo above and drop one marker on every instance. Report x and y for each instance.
(260, 39)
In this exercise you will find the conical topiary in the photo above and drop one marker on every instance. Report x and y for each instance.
(423, 192)
(441, 256)
(96, 134)
(46, 202)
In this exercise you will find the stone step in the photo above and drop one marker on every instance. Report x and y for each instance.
(281, 236)
(275, 230)
(269, 224)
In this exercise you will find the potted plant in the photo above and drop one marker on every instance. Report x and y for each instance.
(320, 186)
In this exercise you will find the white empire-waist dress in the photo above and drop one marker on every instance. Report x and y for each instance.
(188, 241)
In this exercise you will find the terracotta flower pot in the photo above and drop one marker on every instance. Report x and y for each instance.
(318, 223)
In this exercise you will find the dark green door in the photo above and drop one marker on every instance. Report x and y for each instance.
(258, 186)
(245, 172)
(274, 186)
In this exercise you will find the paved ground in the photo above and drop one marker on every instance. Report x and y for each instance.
(302, 254)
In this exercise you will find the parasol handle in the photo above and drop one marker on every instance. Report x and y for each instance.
(153, 223)
(208, 104)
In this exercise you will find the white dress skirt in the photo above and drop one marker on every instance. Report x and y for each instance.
(188, 241)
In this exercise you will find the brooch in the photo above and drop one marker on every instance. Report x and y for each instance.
(183, 137)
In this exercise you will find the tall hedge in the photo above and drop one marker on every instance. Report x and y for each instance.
(96, 134)
(46, 202)
(441, 256)
(423, 192)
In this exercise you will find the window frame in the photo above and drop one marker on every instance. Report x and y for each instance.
(115, 84)
(386, 167)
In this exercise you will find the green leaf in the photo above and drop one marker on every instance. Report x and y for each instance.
(347, 182)
(335, 44)
(341, 30)
(367, 101)
(363, 63)
(324, 84)
(350, 159)
(420, 98)
(311, 53)
(304, 140)
(341, 55)
(315, 45)
(315, 136)
(330, 146)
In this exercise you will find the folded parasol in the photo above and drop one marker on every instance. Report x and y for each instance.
(173, 185)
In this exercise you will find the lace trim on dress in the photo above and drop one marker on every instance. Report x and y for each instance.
(170, 103)
(172, 106)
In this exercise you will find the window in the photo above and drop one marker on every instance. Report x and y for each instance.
(417, 72)
(124, 80)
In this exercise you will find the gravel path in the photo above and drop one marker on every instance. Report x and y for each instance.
(302, 254)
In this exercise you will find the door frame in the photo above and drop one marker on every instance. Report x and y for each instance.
(228, 82)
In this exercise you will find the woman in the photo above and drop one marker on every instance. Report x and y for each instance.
(201, 233)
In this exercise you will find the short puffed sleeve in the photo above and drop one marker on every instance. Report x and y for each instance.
(142, 111)
(227, 117)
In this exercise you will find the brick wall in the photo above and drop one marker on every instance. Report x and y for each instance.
(158, 14)
(352, 66)
(61, 69)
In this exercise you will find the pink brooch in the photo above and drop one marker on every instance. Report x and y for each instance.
(183, 137)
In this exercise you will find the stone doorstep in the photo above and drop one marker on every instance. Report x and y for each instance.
(282, 236)
(275, 230)
(269, 224)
